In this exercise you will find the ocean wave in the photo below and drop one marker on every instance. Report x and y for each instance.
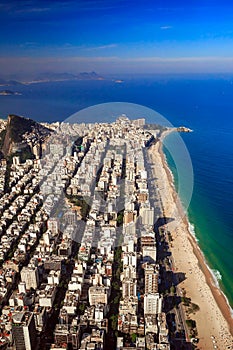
(192, 231)
(169, 170)
(214, 272)
(218, 277)
(217, 274)
(231, 310)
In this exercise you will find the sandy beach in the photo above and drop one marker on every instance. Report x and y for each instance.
(214, 320)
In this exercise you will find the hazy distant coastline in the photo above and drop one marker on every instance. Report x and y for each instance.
(53, 77)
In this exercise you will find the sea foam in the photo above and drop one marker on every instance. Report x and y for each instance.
(216, 276)
(192, 231)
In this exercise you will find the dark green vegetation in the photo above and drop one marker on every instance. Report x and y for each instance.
(120, 218)
(191, 307)
(2, 136)
(78, 142)
(23, 154)
(192, 327)
(114, 298)
(16, 128)
(117, 268)
(79, 201)
(186, 301)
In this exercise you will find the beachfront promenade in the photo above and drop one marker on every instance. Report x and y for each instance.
(187, 258)
(157, 203)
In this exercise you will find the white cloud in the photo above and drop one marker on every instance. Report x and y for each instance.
(182, 59)
(100, 47)
(165, 27)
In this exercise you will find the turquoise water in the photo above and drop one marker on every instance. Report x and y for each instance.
(205, 104)
(210, 209)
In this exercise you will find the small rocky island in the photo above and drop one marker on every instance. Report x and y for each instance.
(9, 93)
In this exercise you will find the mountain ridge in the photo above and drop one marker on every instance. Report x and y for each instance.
(17, 129)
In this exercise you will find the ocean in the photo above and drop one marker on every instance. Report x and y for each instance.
(202, 103)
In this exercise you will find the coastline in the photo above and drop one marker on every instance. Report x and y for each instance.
(214, 318)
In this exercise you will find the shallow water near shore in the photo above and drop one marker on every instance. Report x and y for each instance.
(206, 214)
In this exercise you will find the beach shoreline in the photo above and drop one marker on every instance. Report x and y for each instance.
(214, 318)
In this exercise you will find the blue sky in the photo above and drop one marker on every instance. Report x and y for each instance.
(116, 36)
